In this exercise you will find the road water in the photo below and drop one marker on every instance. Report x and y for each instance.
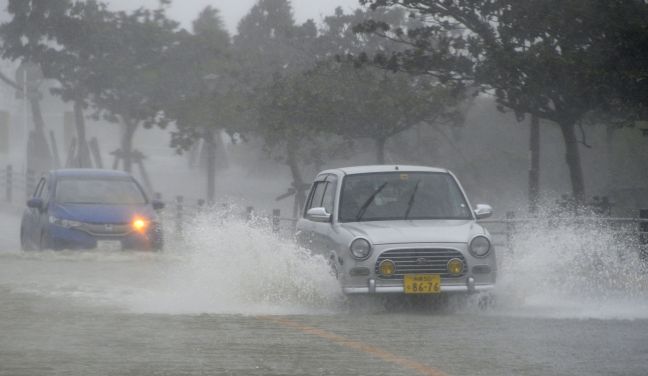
(229, 269)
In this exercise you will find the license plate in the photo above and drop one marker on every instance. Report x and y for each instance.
(109, 245)
(422, 283)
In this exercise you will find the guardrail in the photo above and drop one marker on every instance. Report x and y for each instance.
(16, 186)
(503, 230)
(627, 231)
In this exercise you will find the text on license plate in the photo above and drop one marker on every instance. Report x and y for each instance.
(422, 283)
(109, 245)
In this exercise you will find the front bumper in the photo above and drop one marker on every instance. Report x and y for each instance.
(373, 288)
(60, 238)
(480, 273)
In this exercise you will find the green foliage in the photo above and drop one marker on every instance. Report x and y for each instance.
(556, 59)
(336, 97)
(203, 78)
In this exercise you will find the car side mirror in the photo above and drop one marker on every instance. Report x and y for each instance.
(157, 205)
(483, 211)
(35, 203)
(318, 215)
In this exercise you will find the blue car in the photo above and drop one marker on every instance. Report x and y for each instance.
(87, 209)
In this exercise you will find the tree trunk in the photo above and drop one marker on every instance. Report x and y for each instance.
(40, 157)
(380, 150)
(534, 169)
(82, 158)
(298, 181)
(127, 144)
(210, 144)
(572, 157)
(609, 148)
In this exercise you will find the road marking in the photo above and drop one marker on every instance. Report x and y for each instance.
(357, 345)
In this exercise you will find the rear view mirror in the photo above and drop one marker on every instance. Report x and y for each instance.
(483, 211)
(35, 203)
(318, 215)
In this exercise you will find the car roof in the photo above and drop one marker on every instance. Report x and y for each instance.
(88, 172)
(382, 168)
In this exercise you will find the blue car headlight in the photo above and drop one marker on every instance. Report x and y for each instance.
(67, 223)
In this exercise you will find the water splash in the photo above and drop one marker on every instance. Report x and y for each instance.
(233, 266)
(573, 268)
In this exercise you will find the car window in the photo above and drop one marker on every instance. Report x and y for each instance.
(329, 195)
(318, 194)
(394, 196)
(39, 188)
(98, 191)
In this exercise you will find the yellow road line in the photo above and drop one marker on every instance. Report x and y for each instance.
(357, 345)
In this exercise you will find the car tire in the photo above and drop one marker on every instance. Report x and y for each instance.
(42, 243)
(25, 246)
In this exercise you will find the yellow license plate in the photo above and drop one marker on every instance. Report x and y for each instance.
(422, 283)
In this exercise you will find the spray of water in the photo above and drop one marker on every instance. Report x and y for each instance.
(573, 268)
(229, 265)
(556, 267)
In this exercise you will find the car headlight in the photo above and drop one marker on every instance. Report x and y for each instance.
(140, 224)
(360, 249)
(67, 223)
(479, 246)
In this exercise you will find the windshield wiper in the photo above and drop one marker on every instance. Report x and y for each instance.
(411, 199)
(366, 204)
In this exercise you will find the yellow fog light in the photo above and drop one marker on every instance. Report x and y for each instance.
(455, 266)
(387, 268)
(140, 224)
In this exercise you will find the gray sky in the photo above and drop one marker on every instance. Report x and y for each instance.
(232, 10)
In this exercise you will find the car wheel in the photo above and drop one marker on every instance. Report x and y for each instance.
(42, 243)
(334, 270)
(24, 243)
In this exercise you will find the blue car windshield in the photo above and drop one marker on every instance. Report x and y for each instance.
(98, 191)
(401, 195)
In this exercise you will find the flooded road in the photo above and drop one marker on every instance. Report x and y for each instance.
(234, 300)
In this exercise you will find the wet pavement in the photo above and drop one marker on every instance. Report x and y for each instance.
(102, 313)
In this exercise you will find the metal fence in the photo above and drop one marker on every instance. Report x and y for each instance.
(16, 185)
(626, 232)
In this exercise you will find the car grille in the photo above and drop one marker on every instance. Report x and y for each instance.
(420, 261)
(102, 229)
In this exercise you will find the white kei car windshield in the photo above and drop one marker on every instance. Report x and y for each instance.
(401, 196)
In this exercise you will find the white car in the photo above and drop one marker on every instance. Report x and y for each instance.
(398, 229)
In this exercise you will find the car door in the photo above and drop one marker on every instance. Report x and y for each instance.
(324, 230)
(43, 218)
(318, 234)
(31, 226)
(307, 235)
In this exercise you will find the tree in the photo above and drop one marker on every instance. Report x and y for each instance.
(549, 59)
(269, 48)
(25, 38)
(134, 87)
(373, 103)
(287, 124)
(66, 40)
(205, 99)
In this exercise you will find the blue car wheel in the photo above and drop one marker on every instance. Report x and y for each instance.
(42, 243)
(25, 245)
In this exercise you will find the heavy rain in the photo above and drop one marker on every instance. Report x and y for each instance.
(310, 187)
